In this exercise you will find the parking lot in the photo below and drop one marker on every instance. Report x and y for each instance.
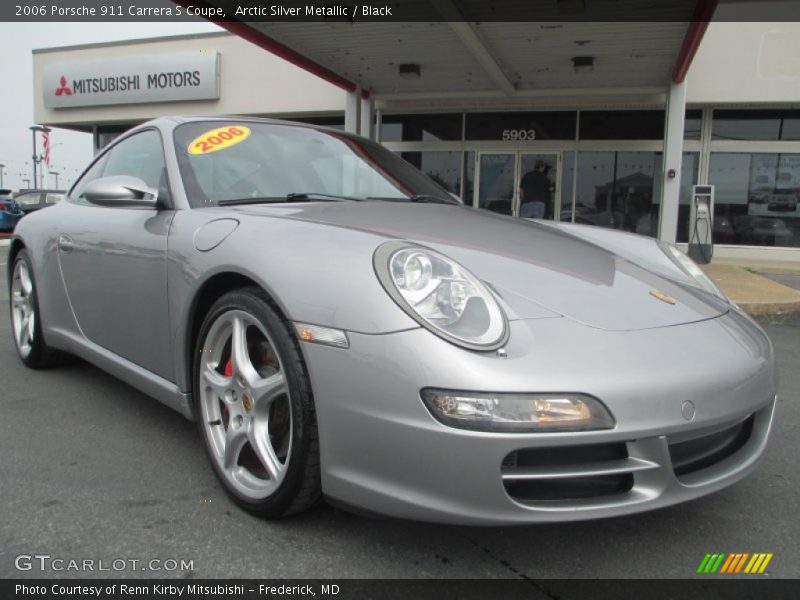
(93, 469)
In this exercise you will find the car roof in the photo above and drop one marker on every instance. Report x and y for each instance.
(174, 121)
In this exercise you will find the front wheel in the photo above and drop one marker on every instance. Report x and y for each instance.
(254, 406)
(26, 324)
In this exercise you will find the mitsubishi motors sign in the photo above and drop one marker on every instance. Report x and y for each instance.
(132, 80)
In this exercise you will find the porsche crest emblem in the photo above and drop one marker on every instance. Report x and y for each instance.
(663, 297)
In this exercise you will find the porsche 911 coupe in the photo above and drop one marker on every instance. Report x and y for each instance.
(339, 326)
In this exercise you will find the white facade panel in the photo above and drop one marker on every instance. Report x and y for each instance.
(747, 63)
(251, 81)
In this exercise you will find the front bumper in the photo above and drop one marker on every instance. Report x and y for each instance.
(382, 450)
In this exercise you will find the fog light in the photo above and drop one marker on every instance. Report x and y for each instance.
(517, 412)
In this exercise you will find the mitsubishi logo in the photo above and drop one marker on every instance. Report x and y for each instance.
(63, 88)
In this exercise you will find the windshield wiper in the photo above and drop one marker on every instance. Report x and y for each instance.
(430, 199)
(293, 197)
(310, 196)
(421, 198)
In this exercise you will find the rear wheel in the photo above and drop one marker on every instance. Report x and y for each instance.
(254, 406)
(26, 325)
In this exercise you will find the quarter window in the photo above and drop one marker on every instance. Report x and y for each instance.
(140, 156)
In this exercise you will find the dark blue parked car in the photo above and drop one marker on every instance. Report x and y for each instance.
(10, 211)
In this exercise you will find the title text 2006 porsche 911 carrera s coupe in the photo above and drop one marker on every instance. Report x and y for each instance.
(338, 325)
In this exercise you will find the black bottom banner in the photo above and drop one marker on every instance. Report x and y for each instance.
(346, 589)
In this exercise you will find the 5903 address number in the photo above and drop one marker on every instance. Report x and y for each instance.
(511, 135)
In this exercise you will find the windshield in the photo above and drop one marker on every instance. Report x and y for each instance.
(223, 161)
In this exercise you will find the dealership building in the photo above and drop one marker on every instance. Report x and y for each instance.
(625, 118)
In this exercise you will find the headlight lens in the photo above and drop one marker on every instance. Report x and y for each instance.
(517, 412)
(688, 266)
(441, 295)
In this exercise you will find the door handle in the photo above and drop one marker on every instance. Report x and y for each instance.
(65, 243)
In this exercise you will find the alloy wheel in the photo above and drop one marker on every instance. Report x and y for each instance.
(23, 314)
(245, 404)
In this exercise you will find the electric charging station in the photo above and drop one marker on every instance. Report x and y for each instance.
(701, 224)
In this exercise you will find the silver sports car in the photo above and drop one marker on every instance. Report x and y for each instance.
(339, 326)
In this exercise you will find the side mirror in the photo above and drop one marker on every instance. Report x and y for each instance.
(121, 191)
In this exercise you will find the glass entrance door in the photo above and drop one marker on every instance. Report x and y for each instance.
(496, 189)
(522, 184)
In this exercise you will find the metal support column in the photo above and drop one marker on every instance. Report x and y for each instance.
(673, 156)
(368, 118)
(352, 111)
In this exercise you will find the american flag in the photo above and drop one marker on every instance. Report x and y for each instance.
(46, 142)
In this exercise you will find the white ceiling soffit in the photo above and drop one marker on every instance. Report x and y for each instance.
(472, 54)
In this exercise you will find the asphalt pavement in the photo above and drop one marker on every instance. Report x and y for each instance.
(91, 469)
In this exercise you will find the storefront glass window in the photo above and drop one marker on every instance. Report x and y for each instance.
(619, 190)
(756, 198)
(766, 125)
(443, 167)
(622, 125)
(469, 177)
(690, 167)
(421, 128)
(692, 124)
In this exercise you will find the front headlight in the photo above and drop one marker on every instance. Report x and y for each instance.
(688, 266)
(441, 295)
(517, 412)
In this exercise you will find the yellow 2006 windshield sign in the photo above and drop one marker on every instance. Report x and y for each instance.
(219, 139)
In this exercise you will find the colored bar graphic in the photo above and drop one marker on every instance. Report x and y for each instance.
(741, 561)
(726, 566)
(765, 563)
(733, 563)
(702, 567)
(718, 562)
(757, 564)
(730, 564)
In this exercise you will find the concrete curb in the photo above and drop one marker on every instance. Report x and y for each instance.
(755, 294)
(767, 309)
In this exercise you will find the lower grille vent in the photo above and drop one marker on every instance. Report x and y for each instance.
(566, 473)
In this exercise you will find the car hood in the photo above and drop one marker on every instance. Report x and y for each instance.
(530, 266)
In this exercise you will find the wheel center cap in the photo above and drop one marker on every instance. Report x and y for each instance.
(247, 403)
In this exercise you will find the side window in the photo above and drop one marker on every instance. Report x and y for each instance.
(140, 156)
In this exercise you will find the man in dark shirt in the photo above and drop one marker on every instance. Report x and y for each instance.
(534, 192)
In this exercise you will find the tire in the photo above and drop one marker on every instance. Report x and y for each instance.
(254, 407)
(26, 323)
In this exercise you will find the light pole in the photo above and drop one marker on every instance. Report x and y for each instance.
(34, 130)
(1, 174)
(55, 174)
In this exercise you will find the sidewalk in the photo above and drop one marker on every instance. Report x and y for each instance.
(760, 288)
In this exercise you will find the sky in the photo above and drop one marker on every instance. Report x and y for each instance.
(70, 150)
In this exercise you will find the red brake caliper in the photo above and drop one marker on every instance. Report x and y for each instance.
(228, 373)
